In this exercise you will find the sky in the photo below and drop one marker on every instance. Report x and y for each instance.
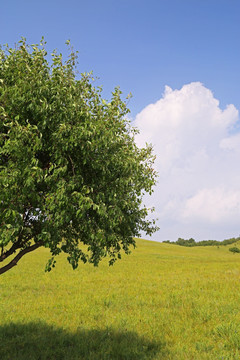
(181, 61)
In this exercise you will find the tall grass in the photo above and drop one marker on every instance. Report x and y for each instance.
(160, 302)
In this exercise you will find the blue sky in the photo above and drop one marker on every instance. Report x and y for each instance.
(139, 45)
(192, 46)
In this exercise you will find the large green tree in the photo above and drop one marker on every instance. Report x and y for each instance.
(71, 176)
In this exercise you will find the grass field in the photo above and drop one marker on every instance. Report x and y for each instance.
(161, 302)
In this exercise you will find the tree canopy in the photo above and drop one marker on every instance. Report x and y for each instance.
(72, 178)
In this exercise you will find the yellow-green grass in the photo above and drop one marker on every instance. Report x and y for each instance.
(161, 302)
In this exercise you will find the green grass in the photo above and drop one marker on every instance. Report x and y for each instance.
(160, 302)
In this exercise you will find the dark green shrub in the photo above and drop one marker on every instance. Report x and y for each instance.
(234, 249)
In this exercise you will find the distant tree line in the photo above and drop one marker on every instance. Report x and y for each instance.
(191, 242)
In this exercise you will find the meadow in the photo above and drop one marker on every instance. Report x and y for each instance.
(160, 302)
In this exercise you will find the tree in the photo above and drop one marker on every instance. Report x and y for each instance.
(71, 176)
(234, 249)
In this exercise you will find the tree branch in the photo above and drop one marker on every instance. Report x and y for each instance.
(20, 242)
(19, 256)
(9, 252)
(73, 168)
(17, 245)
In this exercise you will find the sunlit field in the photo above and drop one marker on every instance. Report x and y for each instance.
(161, 302)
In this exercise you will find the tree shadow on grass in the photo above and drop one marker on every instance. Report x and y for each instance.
(39, 341)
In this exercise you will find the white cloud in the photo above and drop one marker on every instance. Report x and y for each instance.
(198, 191)
(214, 206)
(231, 143)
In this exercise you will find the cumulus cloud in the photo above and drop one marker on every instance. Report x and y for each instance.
(214, 205)
(198, 192)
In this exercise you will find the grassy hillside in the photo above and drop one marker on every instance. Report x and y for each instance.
(160, 302)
